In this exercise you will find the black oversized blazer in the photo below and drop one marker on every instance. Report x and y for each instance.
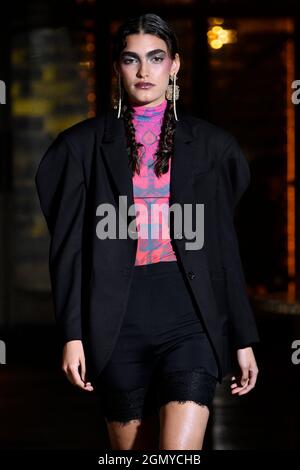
(87, 165)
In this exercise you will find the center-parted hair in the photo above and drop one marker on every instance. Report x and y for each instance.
(147, 24)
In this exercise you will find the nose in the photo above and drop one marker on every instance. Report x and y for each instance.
(143, 71)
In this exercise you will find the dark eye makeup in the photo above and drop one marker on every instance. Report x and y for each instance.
(128, 56)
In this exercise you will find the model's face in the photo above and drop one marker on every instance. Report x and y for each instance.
(146, 59)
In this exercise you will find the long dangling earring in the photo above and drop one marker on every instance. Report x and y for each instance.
(118, 100)
(172, 93)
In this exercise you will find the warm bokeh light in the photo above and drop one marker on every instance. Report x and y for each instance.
(87, 64)
(216, 44)
(218, 36)
(91, 97)
(214, 20)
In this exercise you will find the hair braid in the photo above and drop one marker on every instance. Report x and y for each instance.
(133, 147)
(166, 140)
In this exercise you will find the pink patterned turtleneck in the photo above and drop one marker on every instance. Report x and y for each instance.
(151, 192)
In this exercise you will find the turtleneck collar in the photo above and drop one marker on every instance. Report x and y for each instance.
(147, 112)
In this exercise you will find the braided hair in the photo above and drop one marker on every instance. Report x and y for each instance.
(147, 24)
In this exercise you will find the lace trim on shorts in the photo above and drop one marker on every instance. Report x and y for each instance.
(181, 386)
(125, 406)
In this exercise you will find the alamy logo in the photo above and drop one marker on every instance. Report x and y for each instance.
(159, 214)
(2, 92)
(296, 354)
(296, 94)
(2, 352)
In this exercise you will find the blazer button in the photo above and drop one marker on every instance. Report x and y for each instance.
(191, 275)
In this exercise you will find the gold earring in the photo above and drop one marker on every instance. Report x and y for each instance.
(118, 100)
(172, 93)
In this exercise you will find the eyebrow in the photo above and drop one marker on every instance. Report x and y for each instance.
(149, 54)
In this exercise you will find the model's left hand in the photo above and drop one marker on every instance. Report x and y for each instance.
(246, 379)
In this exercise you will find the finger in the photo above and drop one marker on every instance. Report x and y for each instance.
(246, 390)
(251, 384)
(245, 377)
(88, 387)
(234, 385)
(239, 388)
(82, 368)
(233, 381)
(74, 376)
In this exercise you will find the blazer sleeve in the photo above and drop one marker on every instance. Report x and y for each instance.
(61, 190)
(234, 178)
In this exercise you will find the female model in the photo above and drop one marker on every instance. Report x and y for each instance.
(147, 320)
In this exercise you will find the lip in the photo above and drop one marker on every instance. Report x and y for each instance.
(144, 85)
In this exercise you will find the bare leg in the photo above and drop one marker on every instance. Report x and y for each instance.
(183, 425)
(135, 434)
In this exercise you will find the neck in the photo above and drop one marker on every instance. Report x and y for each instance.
(150, 111)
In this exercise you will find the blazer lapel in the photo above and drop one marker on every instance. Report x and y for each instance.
(115, 152)
(185, 162)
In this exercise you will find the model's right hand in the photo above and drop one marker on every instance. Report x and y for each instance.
(73, 364)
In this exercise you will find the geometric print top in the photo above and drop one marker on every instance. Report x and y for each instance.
(151, 194)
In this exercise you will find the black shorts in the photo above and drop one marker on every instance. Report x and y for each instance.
(162, 352)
